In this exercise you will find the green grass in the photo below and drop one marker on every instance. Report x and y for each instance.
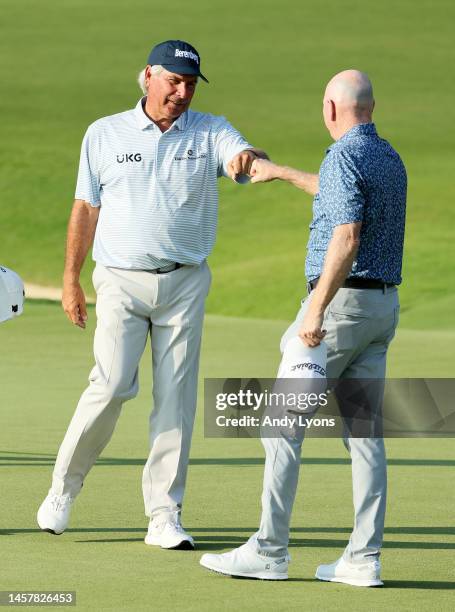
(268, 63)
(66, 63)
(44, 363)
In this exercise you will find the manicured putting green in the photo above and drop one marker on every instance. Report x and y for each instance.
(44, 363)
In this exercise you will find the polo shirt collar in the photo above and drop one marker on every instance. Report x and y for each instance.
(144, 120)
(180, 123)
(362, 129)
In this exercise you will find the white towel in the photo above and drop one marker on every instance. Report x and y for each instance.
(301, 361)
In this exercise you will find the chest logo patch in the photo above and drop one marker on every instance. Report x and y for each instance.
(191, 155)
(129, 157)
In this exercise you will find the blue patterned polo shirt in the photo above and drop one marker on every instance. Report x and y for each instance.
(362, 178)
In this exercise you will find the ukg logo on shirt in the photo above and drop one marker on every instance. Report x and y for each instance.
(129, 157)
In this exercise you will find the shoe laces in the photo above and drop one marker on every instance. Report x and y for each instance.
(173, 520)
(60, 502)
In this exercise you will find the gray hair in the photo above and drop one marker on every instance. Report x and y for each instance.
(141, 76)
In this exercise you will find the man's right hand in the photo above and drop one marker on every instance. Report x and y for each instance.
(263, 171)
(73, 302)
(81, 230)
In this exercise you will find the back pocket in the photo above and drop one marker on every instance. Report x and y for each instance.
(346, 331)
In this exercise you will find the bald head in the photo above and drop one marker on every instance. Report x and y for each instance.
(352, 90)
(348, 100)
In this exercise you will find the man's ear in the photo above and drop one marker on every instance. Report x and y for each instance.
(333, 111)
(148, 75)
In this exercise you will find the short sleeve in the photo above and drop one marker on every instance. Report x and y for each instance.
(228, 143)
(88, 182)
(341, 190)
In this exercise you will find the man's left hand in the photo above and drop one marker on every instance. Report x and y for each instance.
(240, 164)
(311, 332)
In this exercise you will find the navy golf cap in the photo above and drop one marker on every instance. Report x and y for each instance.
(176, 56)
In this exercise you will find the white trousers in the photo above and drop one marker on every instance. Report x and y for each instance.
(130, 304)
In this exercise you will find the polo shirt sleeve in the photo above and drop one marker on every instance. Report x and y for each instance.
(88, 181)
(228, 143)
(341, 189)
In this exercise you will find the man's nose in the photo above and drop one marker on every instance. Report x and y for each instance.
(183, 91)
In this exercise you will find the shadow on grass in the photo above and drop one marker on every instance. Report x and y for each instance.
(223, 576)
(216, 542)
(388, 584)
(11, 459)
(225, 541)
(440, 530)
(210, 542)
(420, 584)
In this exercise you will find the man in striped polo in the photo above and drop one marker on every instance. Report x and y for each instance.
(147, 195)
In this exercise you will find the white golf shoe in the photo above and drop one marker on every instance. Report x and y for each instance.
(54, 513)
(246, 563)
(356, 574)
(167, 531)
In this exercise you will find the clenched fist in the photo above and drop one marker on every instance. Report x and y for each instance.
(263, 171)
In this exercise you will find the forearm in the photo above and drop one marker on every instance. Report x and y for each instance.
(338, 262)
(81, 231)
(302, 180)
(263, 171)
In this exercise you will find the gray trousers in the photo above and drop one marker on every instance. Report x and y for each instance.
(360, 324)
(131, 304)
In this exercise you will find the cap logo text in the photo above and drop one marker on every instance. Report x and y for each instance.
(189, 54)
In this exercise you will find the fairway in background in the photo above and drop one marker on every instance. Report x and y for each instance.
(267, 64)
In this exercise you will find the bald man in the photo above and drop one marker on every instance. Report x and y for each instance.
(353, 267)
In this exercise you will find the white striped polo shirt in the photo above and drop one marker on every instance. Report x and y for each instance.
(157, 191)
